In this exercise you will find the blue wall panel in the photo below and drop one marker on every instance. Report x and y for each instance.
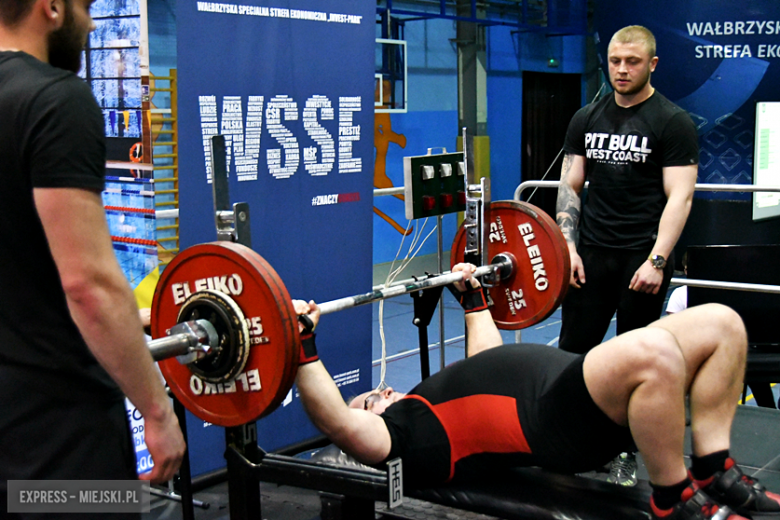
(291, 85)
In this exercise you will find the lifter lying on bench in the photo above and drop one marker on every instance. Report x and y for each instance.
(534, 405)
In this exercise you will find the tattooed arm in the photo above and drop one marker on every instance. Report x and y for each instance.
(568, 210)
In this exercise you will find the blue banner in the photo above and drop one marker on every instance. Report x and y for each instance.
(290, 85)
(716, 59)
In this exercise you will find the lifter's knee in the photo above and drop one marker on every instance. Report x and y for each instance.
(657, 356)
(729, 321)
(731, 330)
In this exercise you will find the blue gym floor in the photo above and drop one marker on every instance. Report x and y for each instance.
(401, 336)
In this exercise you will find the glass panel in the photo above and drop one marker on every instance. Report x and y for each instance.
(115, 63)
(103, 8)
(116, 32)
(121, 94)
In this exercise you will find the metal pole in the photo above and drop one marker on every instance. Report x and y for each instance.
(441, 298)
(397, 290)
(731, 286)
(699, 187)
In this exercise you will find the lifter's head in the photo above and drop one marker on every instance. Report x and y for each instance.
(54, 31)
(631, 56)
(376, 401)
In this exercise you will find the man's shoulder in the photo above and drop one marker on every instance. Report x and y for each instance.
(596, 106)
(672, 120)
(21, 68)
(591, 112)
(667, 107)
(31, 78)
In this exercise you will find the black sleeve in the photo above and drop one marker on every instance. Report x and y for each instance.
(680, 141)
(67, 146)
(575, 134)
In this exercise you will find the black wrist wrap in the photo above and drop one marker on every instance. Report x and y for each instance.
(308, 347)
(472, 299)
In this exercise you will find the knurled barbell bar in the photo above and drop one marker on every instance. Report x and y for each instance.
(238, 333)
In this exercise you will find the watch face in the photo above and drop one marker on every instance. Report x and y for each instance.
(659, 262)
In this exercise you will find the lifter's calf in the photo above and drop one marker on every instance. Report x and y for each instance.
(638, 379)
(714, 344)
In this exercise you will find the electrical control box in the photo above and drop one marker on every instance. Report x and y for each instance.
(434, 185)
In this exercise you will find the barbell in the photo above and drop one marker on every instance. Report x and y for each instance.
(226, 333)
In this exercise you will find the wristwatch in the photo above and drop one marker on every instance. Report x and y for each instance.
(657, 261)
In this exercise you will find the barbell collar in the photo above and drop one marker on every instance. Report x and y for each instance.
(504, 266)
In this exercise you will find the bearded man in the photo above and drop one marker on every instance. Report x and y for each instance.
(640, 154)
(71, 340)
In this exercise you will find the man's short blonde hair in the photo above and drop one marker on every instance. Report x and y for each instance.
(635, 34)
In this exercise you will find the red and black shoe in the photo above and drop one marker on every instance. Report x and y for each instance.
(741, 493)
(695, 505)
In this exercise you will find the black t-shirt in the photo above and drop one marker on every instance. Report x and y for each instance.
(51, 136)
(626, 150)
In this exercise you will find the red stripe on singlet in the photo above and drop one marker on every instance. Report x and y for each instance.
(479, 424)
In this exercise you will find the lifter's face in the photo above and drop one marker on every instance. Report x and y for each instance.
(630, 66)
(376, 401)
(67, 42)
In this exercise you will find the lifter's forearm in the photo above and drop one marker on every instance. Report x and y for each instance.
(482, 332)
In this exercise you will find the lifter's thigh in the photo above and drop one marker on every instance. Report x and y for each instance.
(614, 369)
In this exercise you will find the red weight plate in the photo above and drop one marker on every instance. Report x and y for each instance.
(272, 363)
(542, 265)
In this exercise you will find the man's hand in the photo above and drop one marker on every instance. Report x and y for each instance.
(311, 309)
(166, 446)
(468, 270)
(577, 275)
(146, 319)
(146, 316)
(647, 279)
(468, 292)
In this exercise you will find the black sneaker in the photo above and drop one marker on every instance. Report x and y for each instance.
(741, 493)
(695, 505)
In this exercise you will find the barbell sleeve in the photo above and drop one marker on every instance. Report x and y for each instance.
(198, 338)
(170, 346)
